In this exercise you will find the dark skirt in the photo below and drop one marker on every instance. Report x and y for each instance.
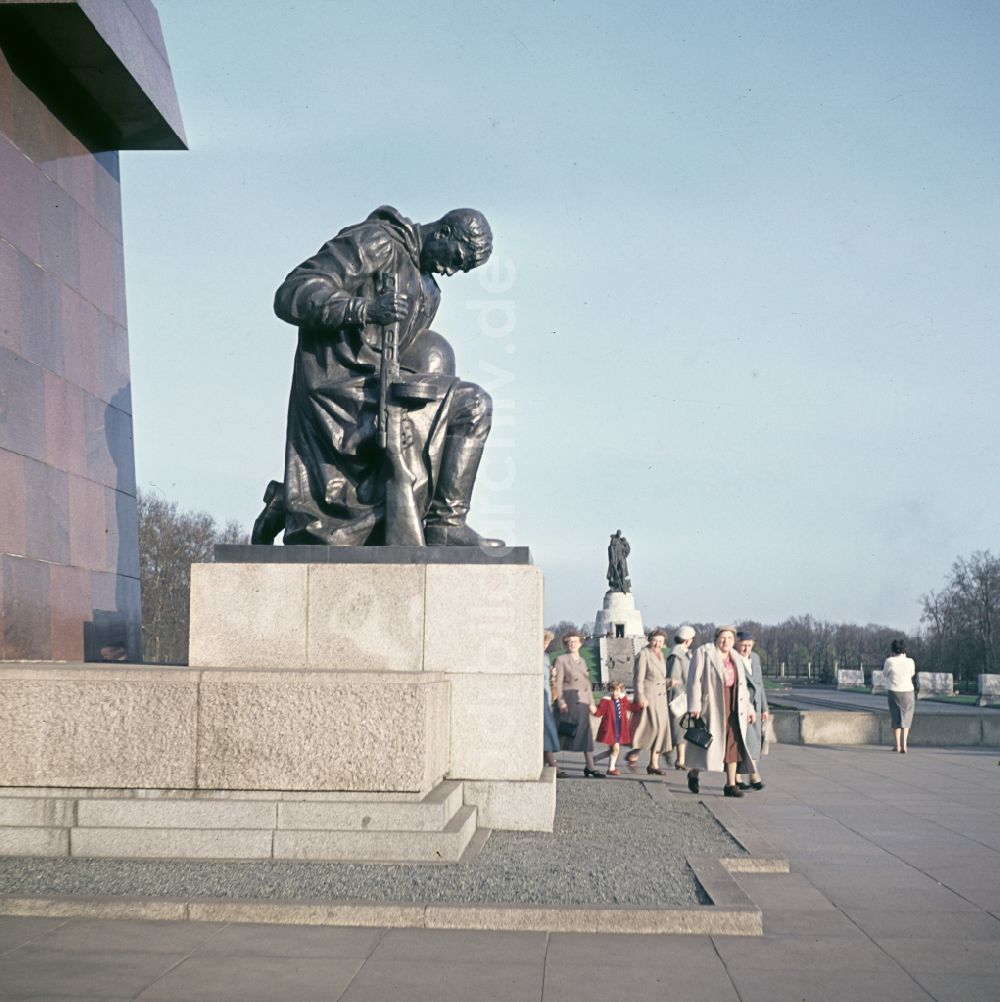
(735, 749)
(901, 709)
(580, 713)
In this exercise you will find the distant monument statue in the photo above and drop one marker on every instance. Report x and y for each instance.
(383, 440)
(618, 626)
(618, 551)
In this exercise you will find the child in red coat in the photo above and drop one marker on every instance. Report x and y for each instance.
(614, 728)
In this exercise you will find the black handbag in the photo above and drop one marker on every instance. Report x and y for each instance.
(567, 729)
(696, 731)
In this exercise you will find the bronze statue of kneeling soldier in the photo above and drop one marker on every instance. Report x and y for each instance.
(384, 440)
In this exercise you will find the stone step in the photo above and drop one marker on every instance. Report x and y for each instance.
(369, 846)
(437, 828)
(444, 846)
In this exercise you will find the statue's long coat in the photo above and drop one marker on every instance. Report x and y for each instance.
(332, 461)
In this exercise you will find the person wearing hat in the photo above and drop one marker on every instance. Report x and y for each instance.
(678, 666)
(575, 701)
(717, 691)
(758, 702)
(651, 726)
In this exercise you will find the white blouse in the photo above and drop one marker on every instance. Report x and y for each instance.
(898, 675)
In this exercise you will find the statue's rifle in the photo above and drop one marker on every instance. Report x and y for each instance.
(389, 371)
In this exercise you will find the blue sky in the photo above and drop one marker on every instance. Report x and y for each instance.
(744, 297)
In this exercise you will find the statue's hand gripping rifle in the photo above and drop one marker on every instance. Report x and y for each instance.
(391, 388)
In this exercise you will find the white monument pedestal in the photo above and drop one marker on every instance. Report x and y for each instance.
(330, 711)
(620, 636)
(619, 616)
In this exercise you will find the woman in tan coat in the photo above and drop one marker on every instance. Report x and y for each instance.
(717, 691)
(575, 700)
(649, 681)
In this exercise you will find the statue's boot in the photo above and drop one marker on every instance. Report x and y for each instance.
(271, 520)
(445, 522)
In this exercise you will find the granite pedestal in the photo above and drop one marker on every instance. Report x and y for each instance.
(308, 678)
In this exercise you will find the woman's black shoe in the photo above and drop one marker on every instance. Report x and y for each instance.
(732, 791)
(759, 785)
(654, 772)
(693, 783)
(593, 774)
(743, 786)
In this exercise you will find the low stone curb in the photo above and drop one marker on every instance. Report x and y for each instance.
(731, 913)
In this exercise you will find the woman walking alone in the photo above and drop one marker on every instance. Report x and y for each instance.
(898, 672)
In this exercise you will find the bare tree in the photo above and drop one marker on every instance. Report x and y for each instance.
(169, 542)
(963, 618)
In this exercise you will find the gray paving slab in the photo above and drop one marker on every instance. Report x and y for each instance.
(648, 979)
(36, 970)
(95, 935)
(786, 891)
(759, 985)
(446, 945)
(432, 981)
(253, 939)
(944, 955)
(810, 923)
(959, 987)
(15, 932)
(590, 949)
(832, 954)
(254, 979)
(893, 923)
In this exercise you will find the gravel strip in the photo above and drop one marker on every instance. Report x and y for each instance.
(613, 845)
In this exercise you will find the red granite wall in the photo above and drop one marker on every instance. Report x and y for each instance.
(69, 563)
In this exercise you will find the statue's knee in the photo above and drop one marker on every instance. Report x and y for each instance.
(430, 352)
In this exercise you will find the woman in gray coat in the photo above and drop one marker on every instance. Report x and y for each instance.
(575, 700)
(649, 682)
(678, 666)
(758, 703)
(717, 691)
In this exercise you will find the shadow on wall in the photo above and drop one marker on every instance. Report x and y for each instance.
(116, 634)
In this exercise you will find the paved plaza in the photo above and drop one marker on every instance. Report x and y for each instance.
(894, 893)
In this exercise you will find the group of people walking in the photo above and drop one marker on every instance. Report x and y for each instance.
(720, 684)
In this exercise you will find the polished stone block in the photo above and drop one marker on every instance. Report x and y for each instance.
(13, 497)
(69, 610)
(22, 402)
(19, 207)
(24, 591)
(47, 520)
(65, 441)
(83, 357)
(41, 318)
(10, 298)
